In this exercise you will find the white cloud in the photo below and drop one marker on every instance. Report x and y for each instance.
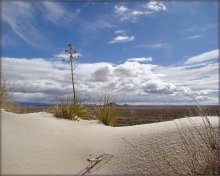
(120, 31)
(43, 80)
(55, 13)
(137, 12)
(20, 17)
(202, 27)
(140, 59)
(89, 27)
(156, 6)
(101, 75)
(207, 56)
(63, 55)
(199, 79)
(124, 13)
(120, 9)
(23, 18)
(155, 45)
(193, 37)
(133, 13)
(122, 39)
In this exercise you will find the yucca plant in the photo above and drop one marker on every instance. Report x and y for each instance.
(72, 55)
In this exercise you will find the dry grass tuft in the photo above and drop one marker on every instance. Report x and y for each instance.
(105, 111)
(68, 109)
(7, 102)
(5, 95)
(198, 145)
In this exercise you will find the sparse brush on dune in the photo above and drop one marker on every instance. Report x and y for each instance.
(199, 147)
(70, 109)
(7, 101)
(5, 95)
(105, 111)
(198, 110)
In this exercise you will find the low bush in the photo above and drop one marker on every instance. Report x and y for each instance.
(105, 111)
(7, 102)
(5, 95)
(199, 145)
(68, 109)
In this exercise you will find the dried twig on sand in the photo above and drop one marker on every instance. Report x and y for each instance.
(94, 162)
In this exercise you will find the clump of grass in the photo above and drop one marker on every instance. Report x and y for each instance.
(198, 110)
(70, 109)
(5, 95)
(105, 111)
(7, 102)
(199, 146)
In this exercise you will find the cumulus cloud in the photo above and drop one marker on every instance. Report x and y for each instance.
(159, 87)
(42, 80)
(120, 9)
(133, 13)
(202, 80)
(63, 55)
(156, 6)
(100, 75)
(124, 13)
(207, 56)
(122, 39)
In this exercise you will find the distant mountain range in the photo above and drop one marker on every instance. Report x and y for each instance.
(33, 104)
(109, 104)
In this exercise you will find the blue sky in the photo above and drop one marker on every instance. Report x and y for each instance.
(134, 48)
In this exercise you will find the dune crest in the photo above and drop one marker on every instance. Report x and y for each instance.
(39, 143)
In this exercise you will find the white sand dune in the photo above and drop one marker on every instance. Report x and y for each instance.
(39, 143)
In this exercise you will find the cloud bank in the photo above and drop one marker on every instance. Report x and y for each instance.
(43, 80)
(211, 55)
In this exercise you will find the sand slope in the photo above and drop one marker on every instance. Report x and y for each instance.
(39, 143)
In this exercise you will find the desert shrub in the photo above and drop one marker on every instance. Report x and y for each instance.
(198, 110)
(105, 111)
(198, 145)
(68, 109)
(5, 95)
(7, 102)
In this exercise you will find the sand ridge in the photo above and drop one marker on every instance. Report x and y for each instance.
(39, 143)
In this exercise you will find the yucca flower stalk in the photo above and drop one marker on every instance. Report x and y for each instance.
(72, 56)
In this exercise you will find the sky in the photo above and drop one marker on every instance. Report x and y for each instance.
(141, 53)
